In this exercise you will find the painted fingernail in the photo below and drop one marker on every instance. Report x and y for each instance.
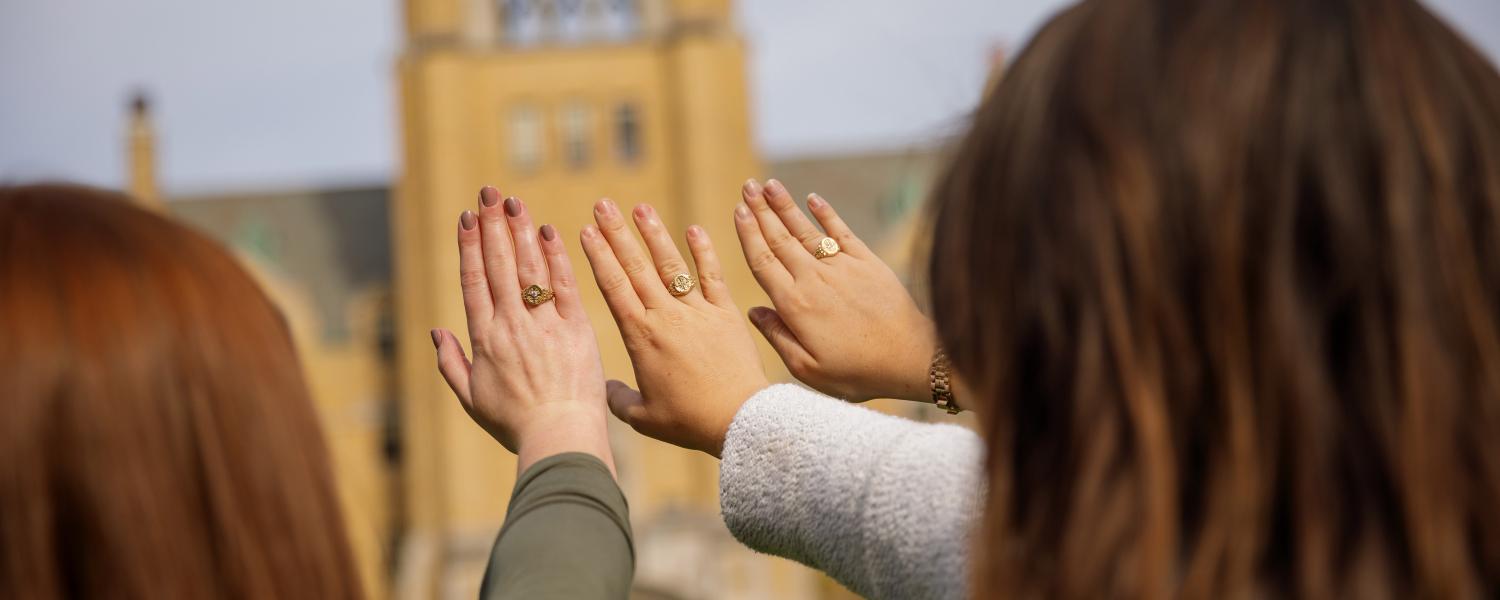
(815, 201)
(548, 233)
(775, 187)
(751, 188)
(742, 211)
(488, 195)
(437, 339)
(513, 206)
(467, 220)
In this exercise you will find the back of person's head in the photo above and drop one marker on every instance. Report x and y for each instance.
(156, 436)
(1224, 277)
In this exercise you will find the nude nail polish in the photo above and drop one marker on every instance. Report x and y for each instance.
(488, 196)
(437, 339)
(467, 220)
(548, 233)
(513, 206)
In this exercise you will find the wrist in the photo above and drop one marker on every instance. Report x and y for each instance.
(557, 429)
(732, 405)
(914, 383)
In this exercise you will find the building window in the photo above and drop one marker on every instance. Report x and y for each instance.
(577, 124)
(531, 22)
(627, 133)
(526, 138)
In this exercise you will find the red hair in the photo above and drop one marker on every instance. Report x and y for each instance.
(156, 435)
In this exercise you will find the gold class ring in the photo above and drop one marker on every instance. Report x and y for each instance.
(681, 284)
(535, 295)
(826, 247)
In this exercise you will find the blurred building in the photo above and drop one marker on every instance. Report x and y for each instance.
(558, 103)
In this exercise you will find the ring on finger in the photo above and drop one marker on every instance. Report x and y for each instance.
(535, 295)
(826, 247)
(681, 284)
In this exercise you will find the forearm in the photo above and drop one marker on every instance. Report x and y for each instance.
(883, 505)
(566, 535)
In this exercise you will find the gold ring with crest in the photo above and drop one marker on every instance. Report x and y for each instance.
(535, 295)
(826, 247)
(681, 284)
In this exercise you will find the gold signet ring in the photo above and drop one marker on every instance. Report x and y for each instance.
(826, 247)
(535, 295)
(681, 284)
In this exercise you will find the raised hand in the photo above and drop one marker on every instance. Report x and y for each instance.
(694, 358)
(536, 383)
(843, 324)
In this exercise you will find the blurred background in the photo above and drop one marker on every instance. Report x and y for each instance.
(333, 143)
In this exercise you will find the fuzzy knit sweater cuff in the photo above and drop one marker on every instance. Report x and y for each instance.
(884, 505)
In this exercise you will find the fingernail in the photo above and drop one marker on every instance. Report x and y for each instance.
(589, 231)
(513, 206)
(548, 233)
(815, 201)
(437, 339)
(757, 314)
(775, 187)
(695, 231)
(467, 220)
(604, 206)
(488, 196)
(741, 211)
(751, 188)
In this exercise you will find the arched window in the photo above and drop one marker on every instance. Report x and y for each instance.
(627, 133)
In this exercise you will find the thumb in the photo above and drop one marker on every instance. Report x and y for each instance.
(624, 402)
(452, 364)
(798, 360)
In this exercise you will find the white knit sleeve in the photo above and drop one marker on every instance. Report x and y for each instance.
(884, 505)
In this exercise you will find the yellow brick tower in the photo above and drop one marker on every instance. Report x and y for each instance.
(557, 102)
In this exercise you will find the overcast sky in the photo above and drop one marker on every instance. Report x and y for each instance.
(275, 93)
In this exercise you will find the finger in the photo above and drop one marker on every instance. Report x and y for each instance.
(453, 365)
(531, 265)
(797, 359)
(835, 226)
(499, 253)
(478, 308)
(626, 403)
(664, 252)
(637, 266)
(710, 273)
(791, 216)
(564, 285)
(619, 294)
(794, 256)
(767, 269)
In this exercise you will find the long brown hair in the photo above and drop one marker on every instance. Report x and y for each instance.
(156, 436)
(1224, 278)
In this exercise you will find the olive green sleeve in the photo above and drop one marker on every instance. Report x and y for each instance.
(566, 535)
